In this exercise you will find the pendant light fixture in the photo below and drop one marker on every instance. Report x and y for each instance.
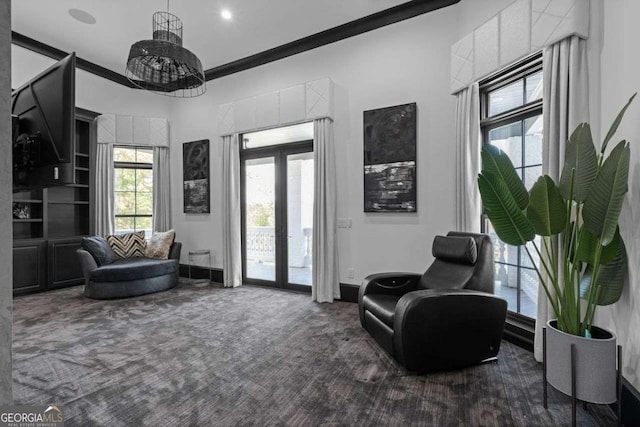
(163, 65)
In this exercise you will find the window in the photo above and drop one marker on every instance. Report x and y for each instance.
(133, 189)
(511, 108)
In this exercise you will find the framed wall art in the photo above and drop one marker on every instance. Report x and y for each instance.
(195, 174)
(390, 159)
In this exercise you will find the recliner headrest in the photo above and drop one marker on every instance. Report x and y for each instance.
(461, 250)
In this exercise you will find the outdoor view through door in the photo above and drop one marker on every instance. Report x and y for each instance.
(277, 184)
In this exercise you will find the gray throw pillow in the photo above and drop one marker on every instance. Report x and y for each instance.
(99, 249)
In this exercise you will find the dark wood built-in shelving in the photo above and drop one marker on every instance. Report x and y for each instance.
(44, 245)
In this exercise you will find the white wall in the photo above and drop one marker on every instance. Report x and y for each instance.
(620, 63)
(92, 92)
(402, 63)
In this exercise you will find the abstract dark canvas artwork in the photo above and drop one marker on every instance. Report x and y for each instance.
(195, 171)
(390, 159)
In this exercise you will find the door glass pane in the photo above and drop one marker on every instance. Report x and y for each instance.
(278, 136)
(260, 218)
(300, 217)
(506, 98)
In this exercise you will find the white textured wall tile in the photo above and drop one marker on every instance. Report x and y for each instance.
(319, 99)
(554, 20)
(462, 63)
(515, 32)
(485, 58)
(141, 131)
(267, 109)
(159, 131)
(124, 129)
(106, 128)
(292, 104)
(245, 114)
(226, 119)
(524, 27)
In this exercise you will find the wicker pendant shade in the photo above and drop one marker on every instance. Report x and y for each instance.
(162, 65)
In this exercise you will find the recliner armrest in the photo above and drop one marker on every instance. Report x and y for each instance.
(386, 283)
(447, 328)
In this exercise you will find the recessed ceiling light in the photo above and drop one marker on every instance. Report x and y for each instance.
(82, 16)
(226, 14)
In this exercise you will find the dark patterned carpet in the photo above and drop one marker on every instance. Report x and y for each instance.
(203, 355)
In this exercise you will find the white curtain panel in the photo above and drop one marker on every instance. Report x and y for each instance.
(104, 213)
(231, 212)
(565, 105)
(468, 162)
(326, 278)
(161, 189)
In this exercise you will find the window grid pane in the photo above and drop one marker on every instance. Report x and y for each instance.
(521, 139)
(506, 98)
(133, 195)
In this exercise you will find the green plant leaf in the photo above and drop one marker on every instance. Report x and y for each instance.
(497, 162)
(510, 224)
(587, 244)
(547, 209)
(615, 124)
(610, 278)
(604, 203)
(580, 154)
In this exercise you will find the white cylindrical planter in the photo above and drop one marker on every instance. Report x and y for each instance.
(595, 363)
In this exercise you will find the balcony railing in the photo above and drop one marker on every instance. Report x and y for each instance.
(261, 245)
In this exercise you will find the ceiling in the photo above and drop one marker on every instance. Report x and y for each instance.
(256, 26)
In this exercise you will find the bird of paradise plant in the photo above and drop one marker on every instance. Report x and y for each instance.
(581, 253)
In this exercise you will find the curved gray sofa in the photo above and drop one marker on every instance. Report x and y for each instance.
(128, 277)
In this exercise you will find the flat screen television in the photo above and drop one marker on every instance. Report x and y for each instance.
(43, 111)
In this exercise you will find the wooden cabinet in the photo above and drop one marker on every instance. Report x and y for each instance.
(63, 266)
(29, 263)
(49, 223)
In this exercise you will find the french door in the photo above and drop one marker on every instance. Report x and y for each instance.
(277, 215)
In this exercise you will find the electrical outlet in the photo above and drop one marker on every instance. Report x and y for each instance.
(351, 273)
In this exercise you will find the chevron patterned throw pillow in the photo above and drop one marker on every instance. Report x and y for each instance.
(128, 245)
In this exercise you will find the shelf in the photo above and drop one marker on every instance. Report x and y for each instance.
(68, 202)
(59, 219)
(26, 201)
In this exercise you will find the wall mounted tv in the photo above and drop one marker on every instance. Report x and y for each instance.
(44, 135)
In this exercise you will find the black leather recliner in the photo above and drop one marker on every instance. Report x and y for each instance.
(446, 318)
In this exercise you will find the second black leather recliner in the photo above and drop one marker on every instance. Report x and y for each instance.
(446, 318)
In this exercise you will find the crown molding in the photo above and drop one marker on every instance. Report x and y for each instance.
(57, 54)
(376, 20)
